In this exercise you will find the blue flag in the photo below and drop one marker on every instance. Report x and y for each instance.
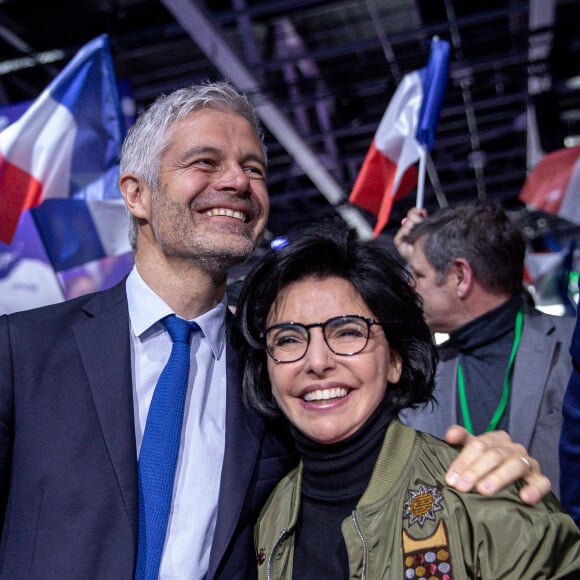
(434, 77)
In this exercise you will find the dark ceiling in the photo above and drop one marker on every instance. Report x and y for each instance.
(323, 72)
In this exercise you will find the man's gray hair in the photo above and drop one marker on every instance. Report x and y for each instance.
(481, 233)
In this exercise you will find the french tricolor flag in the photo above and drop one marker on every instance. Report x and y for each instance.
(406, 130)
(61, 157)
(553, 185)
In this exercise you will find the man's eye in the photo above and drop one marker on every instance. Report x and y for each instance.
(203, 162)
(254, 171)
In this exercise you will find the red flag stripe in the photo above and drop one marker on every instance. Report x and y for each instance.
(22, 191)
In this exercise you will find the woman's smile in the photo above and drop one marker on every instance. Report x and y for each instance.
(328, 394)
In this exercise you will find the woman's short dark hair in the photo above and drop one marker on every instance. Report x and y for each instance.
(381, 281)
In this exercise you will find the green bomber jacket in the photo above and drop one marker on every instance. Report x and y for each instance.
(410, 524)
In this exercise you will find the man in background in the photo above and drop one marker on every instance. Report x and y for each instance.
(505, 364)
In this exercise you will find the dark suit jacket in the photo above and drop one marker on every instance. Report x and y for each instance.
(570, 438)
(68, 464)
(540, 375)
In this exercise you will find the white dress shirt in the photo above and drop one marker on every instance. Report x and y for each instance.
(197, 478)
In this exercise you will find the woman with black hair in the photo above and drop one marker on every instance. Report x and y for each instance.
(332, 337)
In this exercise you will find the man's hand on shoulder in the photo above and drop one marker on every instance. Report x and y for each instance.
(490, 462)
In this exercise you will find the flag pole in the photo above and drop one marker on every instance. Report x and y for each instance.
(421, 177)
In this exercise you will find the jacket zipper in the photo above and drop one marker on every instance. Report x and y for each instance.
(270, 565)
(364, 546)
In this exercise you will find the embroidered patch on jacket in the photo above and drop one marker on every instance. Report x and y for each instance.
(427, 558)
(261, 556)
(422, 505)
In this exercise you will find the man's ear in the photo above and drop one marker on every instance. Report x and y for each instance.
(461, 269)
(136, 195)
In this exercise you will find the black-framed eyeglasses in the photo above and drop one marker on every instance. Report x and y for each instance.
(345, 335)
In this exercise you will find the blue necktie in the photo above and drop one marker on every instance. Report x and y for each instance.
(160, 449)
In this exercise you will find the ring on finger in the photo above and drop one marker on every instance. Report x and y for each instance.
(527, 463)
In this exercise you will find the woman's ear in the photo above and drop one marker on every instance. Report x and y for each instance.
(395, 368)
(136, 194)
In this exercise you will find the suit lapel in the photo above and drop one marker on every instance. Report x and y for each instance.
(531, 369)
(104, 345)
(244, 431)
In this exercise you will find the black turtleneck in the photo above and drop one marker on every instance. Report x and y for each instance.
(484, 346)
(334, 478)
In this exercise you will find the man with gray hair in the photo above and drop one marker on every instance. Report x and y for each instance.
(105, 471)
(505, 364)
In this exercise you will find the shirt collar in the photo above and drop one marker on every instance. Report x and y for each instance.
(146, 309)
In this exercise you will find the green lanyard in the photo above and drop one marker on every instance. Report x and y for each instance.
(506, 382)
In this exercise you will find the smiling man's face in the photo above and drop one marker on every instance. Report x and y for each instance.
(212, 204)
